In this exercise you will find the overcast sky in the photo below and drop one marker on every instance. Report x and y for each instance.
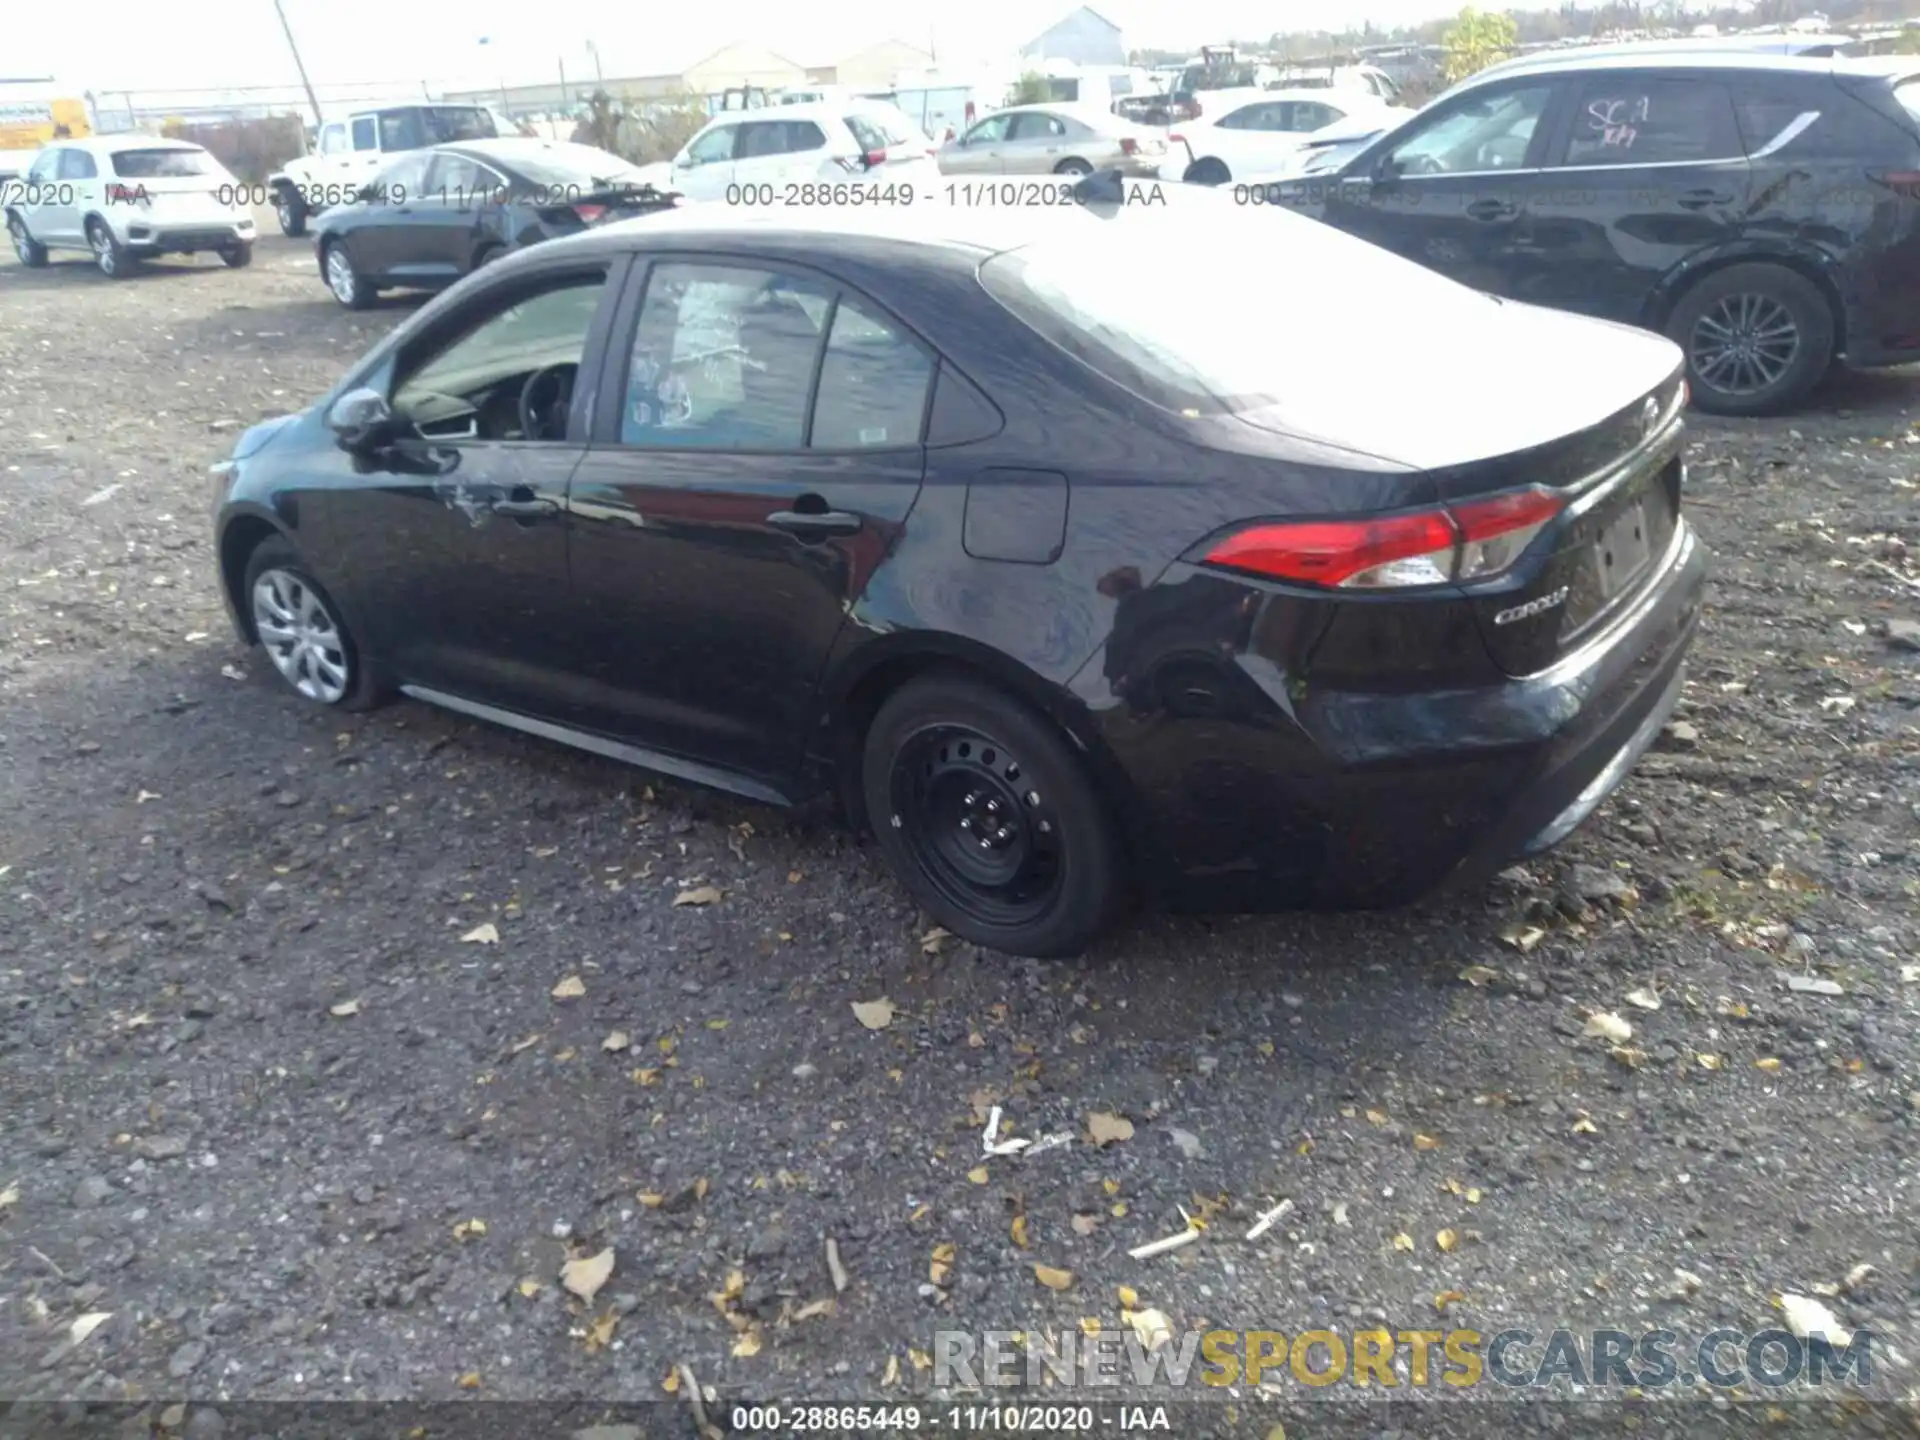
(121, 44)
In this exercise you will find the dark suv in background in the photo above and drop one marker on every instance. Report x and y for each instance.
(1762, 210)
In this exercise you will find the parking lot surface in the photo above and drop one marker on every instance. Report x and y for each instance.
(325, 1041)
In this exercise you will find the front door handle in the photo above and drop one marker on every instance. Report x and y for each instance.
(815, 524)
(522, 504)
(1491, 210)
(1701, 199)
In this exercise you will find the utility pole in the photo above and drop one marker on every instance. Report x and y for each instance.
(566, 100)
(599, 77)
(298, 64)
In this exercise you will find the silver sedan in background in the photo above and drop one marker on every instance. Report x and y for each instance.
(1053, 140)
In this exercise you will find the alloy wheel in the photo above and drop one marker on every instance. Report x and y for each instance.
(300, 636)
(103, 254)
(22, 243)
(340, 276)
(1744, 344)
(976, 825)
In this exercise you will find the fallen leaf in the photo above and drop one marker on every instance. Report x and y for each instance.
(892, 1376)
(1278, 1432)
(1129, 1297)
(921, 1359)
(1523, 937)
(88, 1323)
(1446, 1240)
(615, 1042)
(748, 1345)
(530, 1287)
(1377, 1117)
(584, 1277)
(1608, 1026)
(1089, 1325)
(1104, 1128)
(1446, 1298)
(1403, 1241)
(1630, 1056)
(699, 895)
(1473, 1195)
(874, 1014)
(1813, 985)
(644, 1075)
(652, 1199)
(571, 988)
(469, 1381)
(813, 1308)
(10, 1195)
(528, 1043)
(485, 933)
(978, 1175)
(1118, 1210)
(1479, 976)
(1085, 1224)
(1425, 1142)
(1584, 1126)
(1340, 1217)
(931, 942)
(672, 1383)
(1150, 1328)
(700, 1188)
(344, 1009)
(1051, 1278)
(600, 1333)
(1770, 1064)
(1808, 1318)
(1643, 999)
(941, 1266)
(468, 1229)
(1019, 1231)
(1707, 1061)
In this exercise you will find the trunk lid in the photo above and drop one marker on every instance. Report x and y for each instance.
(1517, 398)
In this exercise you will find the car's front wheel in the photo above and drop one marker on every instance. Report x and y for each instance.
(344, 279)
(1757, 337)
(990, 819)
(238, 255)
(291, 211)
(31, 252)
(113, 258)
(1207, 172)
(1073, 167)
(301, 630)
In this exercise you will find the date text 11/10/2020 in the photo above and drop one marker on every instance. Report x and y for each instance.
(965, 194)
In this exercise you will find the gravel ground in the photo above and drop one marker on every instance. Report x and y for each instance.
(326, 1041)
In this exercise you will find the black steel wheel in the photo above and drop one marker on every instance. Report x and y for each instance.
(1758, 337)
(990, 819)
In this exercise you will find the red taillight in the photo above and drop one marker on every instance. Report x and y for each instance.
(1473, 541)
(590, 214)
(1129, 146)
(875, 159)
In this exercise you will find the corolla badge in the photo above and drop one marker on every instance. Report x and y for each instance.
(1534, 607)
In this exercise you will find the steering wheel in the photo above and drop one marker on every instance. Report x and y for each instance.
(544, 399)
(1421, 165)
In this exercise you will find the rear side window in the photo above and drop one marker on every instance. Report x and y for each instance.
(1842, 127)
(366, 136)
(873, 384)
(1650, 121)
(161, 164)
(399, 130)
(870, 137)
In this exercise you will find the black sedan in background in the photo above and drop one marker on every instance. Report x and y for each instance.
(440, 213)
(1072, 589)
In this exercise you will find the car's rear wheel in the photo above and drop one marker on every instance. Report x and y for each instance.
(344, 279)
(31, 252)
(238, 255)
(108, 253)
(1757, 339)
(989, 818)
(1207, 172)
(301, 630)
(291, 211)
(1074, 166)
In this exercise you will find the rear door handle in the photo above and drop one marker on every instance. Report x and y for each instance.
(815, 523)
(1491, 210)
(1701, 199)
(522, 504)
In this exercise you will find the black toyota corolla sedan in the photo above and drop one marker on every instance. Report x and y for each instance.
(437, 214)
(1072, 585)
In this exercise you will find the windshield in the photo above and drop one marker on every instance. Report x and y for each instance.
(449, 123)
(1908, 94)
(162, 164)
(553, 165)
(1214, 343)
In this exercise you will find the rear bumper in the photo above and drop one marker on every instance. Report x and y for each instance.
(1360, 801)
(164, 239)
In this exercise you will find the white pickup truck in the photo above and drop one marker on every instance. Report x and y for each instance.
(351, 150)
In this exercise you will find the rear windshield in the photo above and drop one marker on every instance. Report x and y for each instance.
(1220, 340)
(161, 164)
(555, 165)
(1908, 94)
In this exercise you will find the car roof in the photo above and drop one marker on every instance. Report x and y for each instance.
(802, 110)
(114, 144)
(1703, 58)
(1073, 109)
(505, 147)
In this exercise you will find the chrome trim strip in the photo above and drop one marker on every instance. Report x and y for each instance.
(1795, 129)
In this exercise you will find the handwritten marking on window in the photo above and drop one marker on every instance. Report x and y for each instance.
(1615, 121)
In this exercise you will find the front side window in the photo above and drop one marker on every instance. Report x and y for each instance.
(473, 383)
(873, 384)
(990, 131)
(366, 135)
(405, 176)
(723, 359)
(715, 145)
(1036, 125)
(1652, 121)
(77, 165)
(333, 140)
(45, 168)
(462, 178)
(1478, 133)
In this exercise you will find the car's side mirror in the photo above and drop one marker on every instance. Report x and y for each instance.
(362, 420)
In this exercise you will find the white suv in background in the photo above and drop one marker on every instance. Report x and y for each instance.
(752, 156)
(1245, 132)
(125, 198)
